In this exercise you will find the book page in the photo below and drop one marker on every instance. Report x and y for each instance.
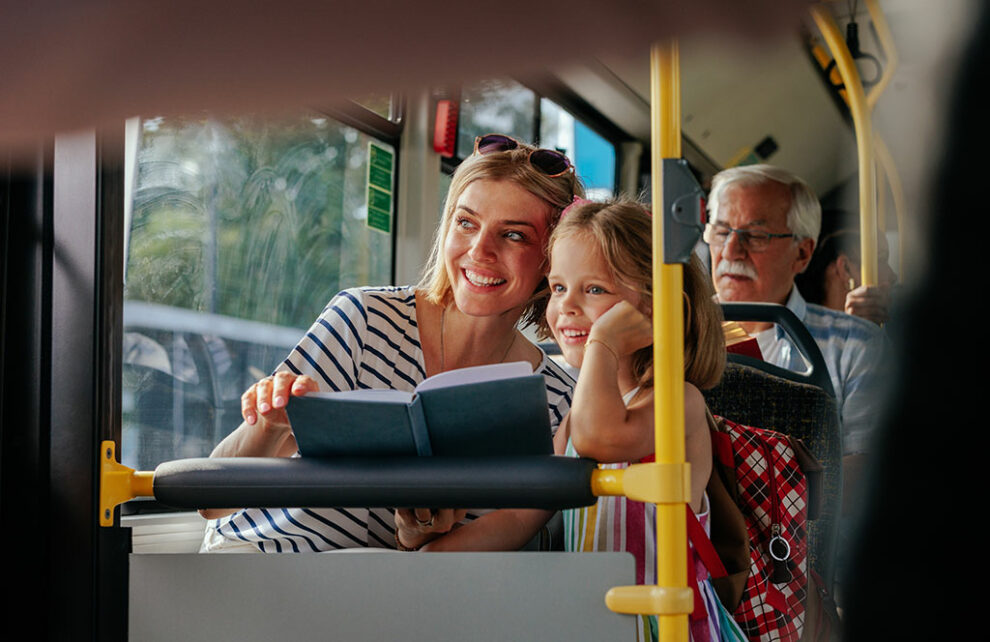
(379, 396)
(476, 374)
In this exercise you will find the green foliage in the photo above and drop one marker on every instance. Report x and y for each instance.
(249, 219)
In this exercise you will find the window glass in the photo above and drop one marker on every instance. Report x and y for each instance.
(444, 186)
(381, 104)
(593, 156)
(495, 106)
(240, 231)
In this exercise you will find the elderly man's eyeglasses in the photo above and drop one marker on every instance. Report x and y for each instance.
(547, 161)
(754, 240)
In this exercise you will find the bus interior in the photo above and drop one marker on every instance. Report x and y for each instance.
(185, 188)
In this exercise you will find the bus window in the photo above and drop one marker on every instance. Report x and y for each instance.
(592, 154)
(240, 231)
(495, 106)
(507, 107)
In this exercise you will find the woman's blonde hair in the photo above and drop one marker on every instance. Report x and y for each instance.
(514, 166)
(623, 231)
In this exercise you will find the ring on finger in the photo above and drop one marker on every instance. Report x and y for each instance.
(426, 523)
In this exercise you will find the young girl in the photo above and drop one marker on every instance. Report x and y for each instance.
(600, 302)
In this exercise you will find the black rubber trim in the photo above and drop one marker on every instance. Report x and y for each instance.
(453, 482)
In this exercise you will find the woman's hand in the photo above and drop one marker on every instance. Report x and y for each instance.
(622, 328)
(414, 527)
(268, 397)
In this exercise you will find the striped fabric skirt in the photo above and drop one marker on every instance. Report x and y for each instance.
(618, 524)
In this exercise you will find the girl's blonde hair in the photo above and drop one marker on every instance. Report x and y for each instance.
(622, 230)
(514, 166)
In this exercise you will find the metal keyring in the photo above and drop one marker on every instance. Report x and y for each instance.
(774, 543)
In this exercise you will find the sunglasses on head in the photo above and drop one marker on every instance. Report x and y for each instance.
(549, 162)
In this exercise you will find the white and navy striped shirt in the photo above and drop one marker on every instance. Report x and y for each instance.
(365, 338)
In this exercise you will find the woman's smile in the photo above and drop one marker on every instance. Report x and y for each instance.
(481, 280)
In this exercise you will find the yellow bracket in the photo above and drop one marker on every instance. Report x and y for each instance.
(650, 600)
(654, 483)
(118, 483)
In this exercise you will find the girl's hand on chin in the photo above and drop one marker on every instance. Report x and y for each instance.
(624, 328)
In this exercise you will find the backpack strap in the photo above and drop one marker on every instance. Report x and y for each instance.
(703, 545)
(696, 535)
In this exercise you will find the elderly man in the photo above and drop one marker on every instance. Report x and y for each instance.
(761, 234)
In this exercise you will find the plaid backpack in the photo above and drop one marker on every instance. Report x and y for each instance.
(760, 482)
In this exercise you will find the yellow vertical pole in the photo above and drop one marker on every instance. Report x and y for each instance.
(864, 140)
(881, 174)
(668, 333)
(885, 160)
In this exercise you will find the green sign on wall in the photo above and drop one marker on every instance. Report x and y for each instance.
(381, 170)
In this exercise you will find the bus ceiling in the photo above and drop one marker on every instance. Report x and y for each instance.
(751, 91)
(97, 63)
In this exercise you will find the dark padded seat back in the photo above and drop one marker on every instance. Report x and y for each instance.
(754, 398)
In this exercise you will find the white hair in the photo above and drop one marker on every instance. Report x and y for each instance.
(804, 219)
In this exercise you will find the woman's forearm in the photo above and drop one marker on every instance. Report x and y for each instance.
(500, 530)
(259, 440)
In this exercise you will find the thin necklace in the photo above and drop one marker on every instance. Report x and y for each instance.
(443, 319)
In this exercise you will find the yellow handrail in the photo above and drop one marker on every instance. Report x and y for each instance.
(864, 140)
(889, 52)
(667, 481)
(668, 336)
(885, 160)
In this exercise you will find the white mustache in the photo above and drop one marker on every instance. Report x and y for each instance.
(736, 268)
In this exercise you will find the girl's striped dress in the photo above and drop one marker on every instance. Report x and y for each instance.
(618, 524)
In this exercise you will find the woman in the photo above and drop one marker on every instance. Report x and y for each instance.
(487, 271)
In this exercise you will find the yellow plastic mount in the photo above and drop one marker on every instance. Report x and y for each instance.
(118, 483)
(650, 600)
(654, 483)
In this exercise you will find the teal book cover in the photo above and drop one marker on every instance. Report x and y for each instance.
(496, 410)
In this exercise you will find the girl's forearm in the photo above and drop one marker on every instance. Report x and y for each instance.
(599, 421)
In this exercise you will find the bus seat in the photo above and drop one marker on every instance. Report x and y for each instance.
(750, 396)
(816, 375)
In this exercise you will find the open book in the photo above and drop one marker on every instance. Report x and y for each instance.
(499, 409)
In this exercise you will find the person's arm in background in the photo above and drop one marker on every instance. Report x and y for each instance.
(864, 368)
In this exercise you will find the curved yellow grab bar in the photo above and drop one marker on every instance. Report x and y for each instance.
(889, 52)
(864, 141)
(886, 161)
